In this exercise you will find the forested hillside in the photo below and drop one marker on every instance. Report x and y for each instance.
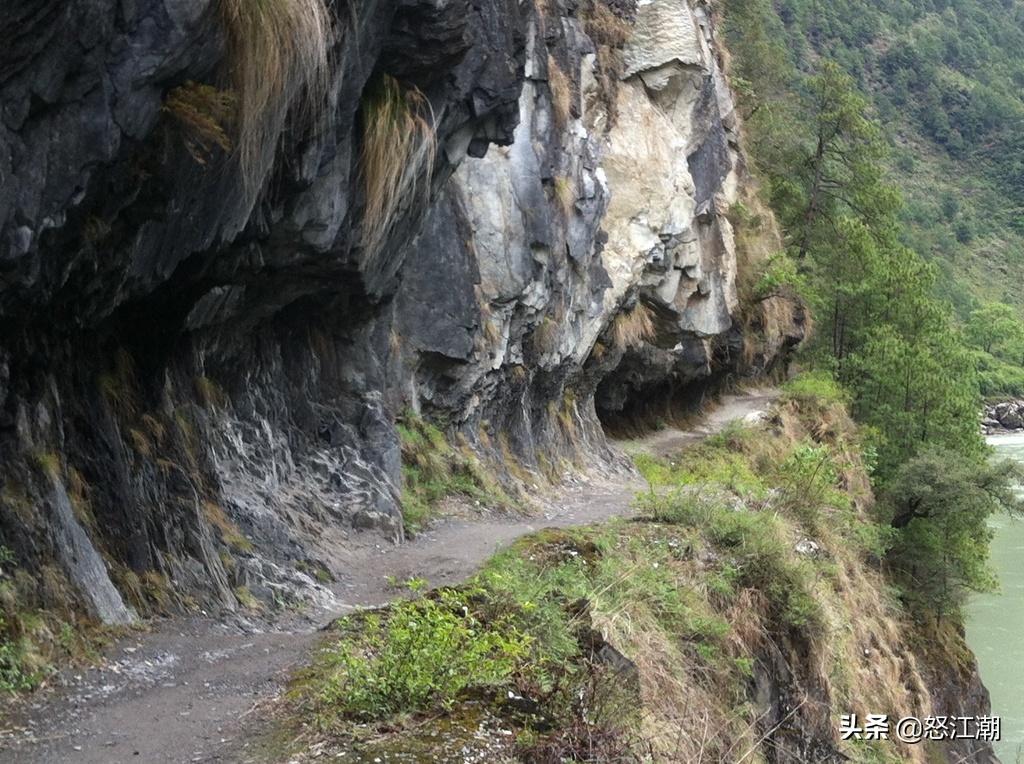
(942, 83)
(915, 369)
(945, 78)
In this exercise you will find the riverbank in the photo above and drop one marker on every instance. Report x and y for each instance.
(995, 621)
(1003, 417)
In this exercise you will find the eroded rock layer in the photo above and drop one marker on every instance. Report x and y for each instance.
(200, 374)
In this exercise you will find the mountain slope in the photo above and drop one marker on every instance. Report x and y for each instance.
(946, 80)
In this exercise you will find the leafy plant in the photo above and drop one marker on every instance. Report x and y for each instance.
(418, 655)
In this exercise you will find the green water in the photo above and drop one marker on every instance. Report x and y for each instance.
(995, 622)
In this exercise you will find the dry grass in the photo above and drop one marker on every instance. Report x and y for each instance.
(491, 332)
(609, 34)
(858, 656)
(565, 195)
(229, 532)
(603, 27)
(632, 329)
(561, 93)
(547, 334)
(399, 146)
(209, 393)
(118, 386)
(278, 53)
(205, 115)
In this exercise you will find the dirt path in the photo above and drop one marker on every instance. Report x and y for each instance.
(183, 691)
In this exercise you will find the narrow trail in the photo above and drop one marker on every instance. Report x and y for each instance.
(185, 690)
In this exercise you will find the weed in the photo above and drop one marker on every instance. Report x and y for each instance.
(815, 387)
(229, 532)
(603, 26)
(691, 598)
(210, 394)
(6, 559)
(15, 675)
(633, 328)
(95, 230)
(609, 33)
(777, 275)
(246, 599)
(565, 195)
(546, 335)
(432, 470)
(561, 93)
(118, 385)
(140, 442)
(49, 463)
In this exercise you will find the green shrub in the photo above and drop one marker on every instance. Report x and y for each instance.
(818, 386)
(14, 675)
(778, 273)
(807, 480)
(418, 655)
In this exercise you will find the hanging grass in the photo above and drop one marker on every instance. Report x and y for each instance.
(399, 146)
(278, 53)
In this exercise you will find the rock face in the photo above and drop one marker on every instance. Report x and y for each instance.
(199, 382)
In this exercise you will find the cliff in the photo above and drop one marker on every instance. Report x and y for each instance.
(220, 285)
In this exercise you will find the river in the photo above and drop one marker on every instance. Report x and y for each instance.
(995, 622)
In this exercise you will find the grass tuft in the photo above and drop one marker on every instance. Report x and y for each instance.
(561, 93)
(278, 53)
(632, 329)
(433, 469)
(205, 115)
(565, 195)
(229, 532)
(399, 146)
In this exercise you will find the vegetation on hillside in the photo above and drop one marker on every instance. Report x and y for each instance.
(433, 469)
(33, 640)
(945, 78)
(887, 331)
(640, 640)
